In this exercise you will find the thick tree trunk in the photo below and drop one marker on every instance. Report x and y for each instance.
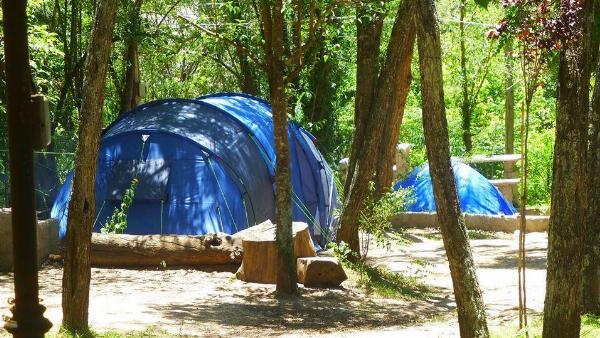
(383, 104)
(369, 25)
(76, 275)
(130, 96)
(470, 308)
(404, 35)
(569, 200)
(591, 267)
(153, 250)
(273, 24)
(28, 319)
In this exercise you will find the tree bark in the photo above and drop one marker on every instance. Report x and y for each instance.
(591, 267)
(369, 25)
(403, 35)
(273, 25)
(130, 96)
(76, 275)
(465, 106)
(383, 104)
(569, 192)
(470, 307)
(118, 250)
(28, 319)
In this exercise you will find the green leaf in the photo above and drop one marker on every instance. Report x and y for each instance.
(483, 3)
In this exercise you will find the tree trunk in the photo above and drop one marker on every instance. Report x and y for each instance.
(76, 275)
(369, 25)
(118, 250)
(273, 24)
(509, 115)
(404, 35)
(470, 308)
(383, 105)
(591, 267)
(465, 106)
(569, 201)
(260, 262)
(28, 319)
(130, 96)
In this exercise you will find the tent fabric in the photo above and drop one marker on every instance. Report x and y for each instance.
(476, 194)
(204, 165)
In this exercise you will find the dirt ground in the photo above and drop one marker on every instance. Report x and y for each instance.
(188, 302)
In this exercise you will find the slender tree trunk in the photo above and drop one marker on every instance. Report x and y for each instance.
(28, 320)
(130, 96)
(273, 24)
(465, 106)
(470, 307)
(369, 26)
(569, 200)
(509, 114)
(382, 106)
(82, 208)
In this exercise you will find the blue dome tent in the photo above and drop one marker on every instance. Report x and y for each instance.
(204, 165)
(476, 194)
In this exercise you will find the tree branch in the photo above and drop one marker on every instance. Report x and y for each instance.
(233, 43)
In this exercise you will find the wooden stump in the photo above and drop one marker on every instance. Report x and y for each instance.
(320, 272)
(155, 250)
(259, 262)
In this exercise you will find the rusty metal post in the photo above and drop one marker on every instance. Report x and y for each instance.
(28, 315)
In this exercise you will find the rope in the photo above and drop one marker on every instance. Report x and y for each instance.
(98, 215)
(222, 193)
(162, 205)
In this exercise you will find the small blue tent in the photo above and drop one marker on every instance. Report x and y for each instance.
(476, 194)
(204, 165)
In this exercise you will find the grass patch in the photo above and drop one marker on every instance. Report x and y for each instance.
(150, 332)
(389, 284)
(480, 234)
(590, 328)
(435, 236)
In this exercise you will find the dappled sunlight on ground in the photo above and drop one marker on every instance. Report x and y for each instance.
(201, 303)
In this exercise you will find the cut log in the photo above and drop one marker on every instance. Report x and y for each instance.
(320, 272)
(259, 262)
(156, 250)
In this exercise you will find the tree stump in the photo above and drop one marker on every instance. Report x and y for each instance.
(259, 262)
(320, 272)
(155, 250)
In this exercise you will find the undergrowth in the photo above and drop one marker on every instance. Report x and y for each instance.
(379, 280)
(590, 328)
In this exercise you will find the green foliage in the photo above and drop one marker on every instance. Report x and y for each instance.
(590, 327)
(375, 219)
(117, 224)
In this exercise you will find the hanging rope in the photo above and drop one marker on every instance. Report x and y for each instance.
(222, 193)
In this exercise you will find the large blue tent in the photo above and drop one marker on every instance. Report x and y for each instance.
(204, 165)
(476, 194)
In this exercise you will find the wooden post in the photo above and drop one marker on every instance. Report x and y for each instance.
(28, 315)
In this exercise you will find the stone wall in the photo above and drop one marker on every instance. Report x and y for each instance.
(502, 223)
(47, 239)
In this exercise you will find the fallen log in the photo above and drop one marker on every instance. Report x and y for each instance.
(169, 250)
(259, 262)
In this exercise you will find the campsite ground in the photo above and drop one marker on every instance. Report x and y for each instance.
(198, 303)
